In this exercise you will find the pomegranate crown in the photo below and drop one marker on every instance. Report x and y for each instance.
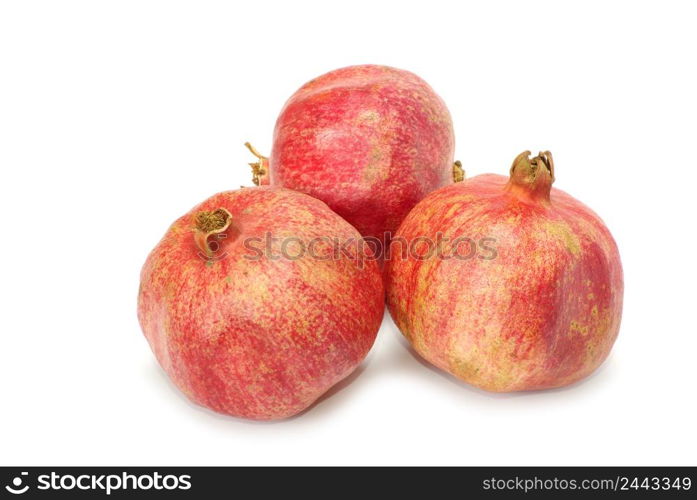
(207, 224)
(532, 176)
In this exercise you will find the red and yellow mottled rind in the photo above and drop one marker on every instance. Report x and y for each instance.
(370, 141)
(260, 339)
(544, 313)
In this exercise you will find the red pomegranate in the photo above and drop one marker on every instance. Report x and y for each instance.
(251, 309)
(370, 141)
(508, 284)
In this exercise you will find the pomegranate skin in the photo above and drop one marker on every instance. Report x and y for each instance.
(370, 141)
(242, 329)
(541, 310)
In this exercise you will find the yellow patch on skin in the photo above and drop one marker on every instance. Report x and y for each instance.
(594, 312)
(324, 277)
(451, 211)
(594, 330)
(376, 171)
(170, 289)
(367, 116)
(512, 219)
(562, 231)
(253, 289)
(503, 367)
(465, 369)
(578, 328)
(423, 307)
(478, 352)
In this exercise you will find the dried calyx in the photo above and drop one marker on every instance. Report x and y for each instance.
(209, 224)
(532, 176)
(458, 172)
(259, 168)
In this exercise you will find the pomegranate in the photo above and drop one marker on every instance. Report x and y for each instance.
(249, 307)
(370, 141)
(508, 284)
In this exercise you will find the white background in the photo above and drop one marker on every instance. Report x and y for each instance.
(118, 117)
